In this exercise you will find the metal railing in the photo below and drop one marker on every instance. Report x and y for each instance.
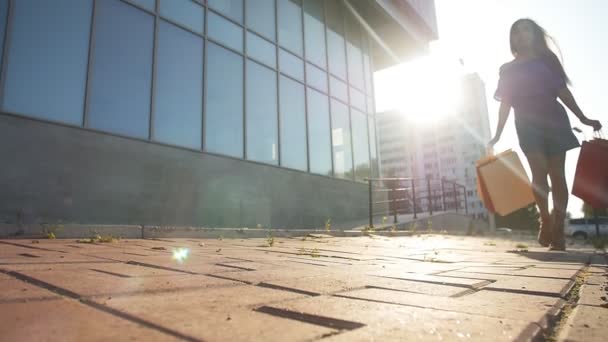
(402, 196)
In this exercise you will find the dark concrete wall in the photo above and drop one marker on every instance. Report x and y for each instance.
(52, 173)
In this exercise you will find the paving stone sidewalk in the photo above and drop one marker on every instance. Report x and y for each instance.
(429, 287)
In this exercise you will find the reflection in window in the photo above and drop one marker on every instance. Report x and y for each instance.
(341, 140)
(355, 56)
(338, 89)
(225, 32)
(230, 8)
(47, 61)
(335, 38)
(184, 12)
(261, 50)
(122, 69)
(314, 32)
(261, 17)
(357, 99)
(290, 25)
(291, 65)
(316, 77)
(293, 124)
(262, 125)
(319, 140)
(224, 102)
(178, 106)
(147, 4)
(360, 145)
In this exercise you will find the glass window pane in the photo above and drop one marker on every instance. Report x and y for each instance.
(122, 69)
(341, 140)
(355, 56)
(225, 32)
(367, 68)
(47, 61)
(335, 38)
(261, 17)
(314, 32)
(370, 106)
(224, 102)
(147, 4)
(184, 12)
(291, 65)
(372, 146)
(293, 124)
(3, 17)
(357, 99)
(316, 77)
(319, 138)
(178, 100)
(230, 8)
(290, 25)
(338, 89)
(360, 145)
(262, 125)
(261, 50)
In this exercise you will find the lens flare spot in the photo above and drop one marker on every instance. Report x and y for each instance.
(180, 254)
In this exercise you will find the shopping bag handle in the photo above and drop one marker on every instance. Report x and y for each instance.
(599, 134)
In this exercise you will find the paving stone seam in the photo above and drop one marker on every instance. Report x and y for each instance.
(65, 293)
(520, 275)
(30, 247)
(323, 321)
(29, 300)
(437, 282)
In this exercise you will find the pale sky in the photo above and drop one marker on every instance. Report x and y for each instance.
(478, 32)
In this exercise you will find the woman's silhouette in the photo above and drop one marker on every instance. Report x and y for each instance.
(531, 84)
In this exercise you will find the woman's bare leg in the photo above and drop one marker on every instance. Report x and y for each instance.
(540, 170)
(559, 187)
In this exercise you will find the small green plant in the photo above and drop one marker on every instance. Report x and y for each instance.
(384, 220)
(99, 239)
(367, 230)
(471, 228)
(599, 242)
(521, 246)
(328, 225)
(50, 231)
(490, 243)
(315, 253)
(270, 240)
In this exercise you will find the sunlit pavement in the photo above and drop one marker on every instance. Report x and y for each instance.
(428, 287)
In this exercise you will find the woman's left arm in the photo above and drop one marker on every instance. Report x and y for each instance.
(568, 99)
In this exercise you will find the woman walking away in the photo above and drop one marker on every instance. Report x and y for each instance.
(531, 84)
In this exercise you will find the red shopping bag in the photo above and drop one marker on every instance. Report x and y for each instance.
(591, 178)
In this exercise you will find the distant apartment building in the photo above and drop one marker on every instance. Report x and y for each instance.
(447, 149)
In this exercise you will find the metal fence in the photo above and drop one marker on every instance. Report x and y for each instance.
(402, 196)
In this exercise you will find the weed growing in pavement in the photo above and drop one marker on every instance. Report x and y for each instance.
(50, 231)
(270, 240)
(100, 239)
(490, 243)
(521, 246)
(599, 242)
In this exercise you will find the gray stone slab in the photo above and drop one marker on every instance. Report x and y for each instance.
(68, 320)
(219, 314)
(594, 291)
(384, 322)
(87, 282)
(586, 323)
(484, 303)
(546, 286)
(14, 290)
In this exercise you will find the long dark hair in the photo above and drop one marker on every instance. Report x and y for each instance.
(541, 46)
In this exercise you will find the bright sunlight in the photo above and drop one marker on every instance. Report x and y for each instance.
(426, 89)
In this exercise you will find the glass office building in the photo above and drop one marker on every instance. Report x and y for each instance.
(188, 112)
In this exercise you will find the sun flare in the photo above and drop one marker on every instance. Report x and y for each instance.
(426, 90)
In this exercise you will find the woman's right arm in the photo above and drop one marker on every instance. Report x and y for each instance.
(503, 115)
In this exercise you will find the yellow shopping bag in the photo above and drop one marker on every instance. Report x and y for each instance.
(502, 183)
